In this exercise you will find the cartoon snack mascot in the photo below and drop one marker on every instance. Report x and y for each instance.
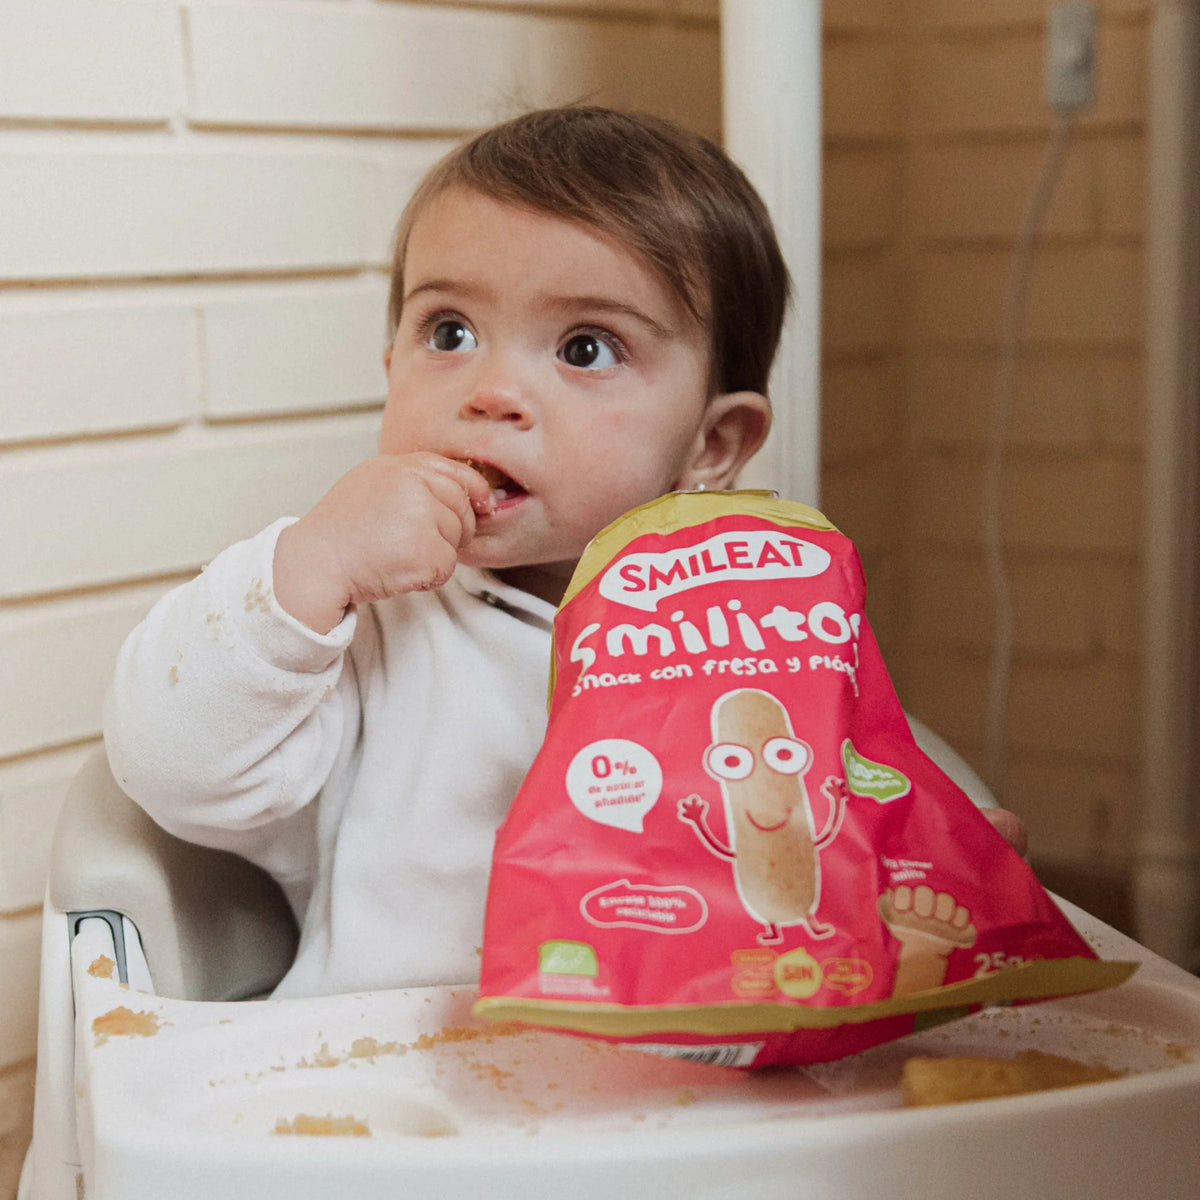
(760, 764)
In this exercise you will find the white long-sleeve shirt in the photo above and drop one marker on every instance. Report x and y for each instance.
(366, 769)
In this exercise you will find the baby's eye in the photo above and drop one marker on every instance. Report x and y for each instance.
(450, 336)
(589, 351)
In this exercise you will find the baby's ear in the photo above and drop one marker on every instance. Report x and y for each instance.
(734, 426)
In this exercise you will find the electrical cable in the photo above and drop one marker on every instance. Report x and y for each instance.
(1011, 325)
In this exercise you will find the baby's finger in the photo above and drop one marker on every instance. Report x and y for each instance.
(455, 515)
(478, 490)
(1010, 827)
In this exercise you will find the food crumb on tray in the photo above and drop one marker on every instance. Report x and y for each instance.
(953, 1079)
(124, 1022)
(305, 1125)
(369, 1047)
(461, 1033)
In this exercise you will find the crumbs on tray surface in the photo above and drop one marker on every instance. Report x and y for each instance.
(466, 1033)
(369, 1047)
(124, 1022)
(953, 1079)
(305, 1125)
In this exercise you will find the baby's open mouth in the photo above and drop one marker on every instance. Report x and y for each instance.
(503, 486)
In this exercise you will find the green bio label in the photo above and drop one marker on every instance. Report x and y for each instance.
(567, 958)
(867, 778)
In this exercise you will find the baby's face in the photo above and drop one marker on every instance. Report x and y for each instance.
(556, 361)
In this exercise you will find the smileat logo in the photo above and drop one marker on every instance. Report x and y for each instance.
(645, 579)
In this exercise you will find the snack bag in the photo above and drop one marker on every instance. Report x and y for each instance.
(729, 847)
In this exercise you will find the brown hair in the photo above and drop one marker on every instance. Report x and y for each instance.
(669, 195)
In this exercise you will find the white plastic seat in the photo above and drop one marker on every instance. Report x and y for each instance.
(170, 1087)
(215, 927)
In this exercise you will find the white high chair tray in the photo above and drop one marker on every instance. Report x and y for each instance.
(190, 1101)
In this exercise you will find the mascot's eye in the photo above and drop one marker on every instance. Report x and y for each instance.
(788, 756)
(728, 760)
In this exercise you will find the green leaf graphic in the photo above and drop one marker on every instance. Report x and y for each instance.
(567, 958)
(867, 778)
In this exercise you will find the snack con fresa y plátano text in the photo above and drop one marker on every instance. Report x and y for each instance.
(729, 846)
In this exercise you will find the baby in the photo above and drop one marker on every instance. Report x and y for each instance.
(584, 309)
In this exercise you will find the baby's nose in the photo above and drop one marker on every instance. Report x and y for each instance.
(499, 398)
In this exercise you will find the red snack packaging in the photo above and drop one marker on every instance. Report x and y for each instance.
(729, 847)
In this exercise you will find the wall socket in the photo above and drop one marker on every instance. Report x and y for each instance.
(1071, 55)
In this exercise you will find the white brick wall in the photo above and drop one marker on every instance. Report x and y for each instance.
(303, 347)
(83, 208)
(196, 205)
(129, 366)
(936, 129)
(19, 946)
(73, 516)
(424, 67)
(34, 791)
(56, 657)
(82, 61)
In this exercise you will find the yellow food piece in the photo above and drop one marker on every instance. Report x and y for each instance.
(124, 1022)
(951, 1080)
(327, 1126)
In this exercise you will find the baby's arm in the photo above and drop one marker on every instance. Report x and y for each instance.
(228, 704)
(392, 524)
(225, 712)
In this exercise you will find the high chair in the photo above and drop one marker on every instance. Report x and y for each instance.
(161, 1077)
(218, 929)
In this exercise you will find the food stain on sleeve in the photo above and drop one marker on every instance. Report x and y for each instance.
(257, 596)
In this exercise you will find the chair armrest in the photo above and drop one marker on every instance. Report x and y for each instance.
(212, 925)
(952, 763)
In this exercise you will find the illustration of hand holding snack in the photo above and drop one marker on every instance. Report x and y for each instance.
(928, 926)
(760, 765)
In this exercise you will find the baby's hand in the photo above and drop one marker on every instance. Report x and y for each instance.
(392, 524)
(1010, 827)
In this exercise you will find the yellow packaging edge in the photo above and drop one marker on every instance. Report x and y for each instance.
(680, 510)
(1039, 980)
